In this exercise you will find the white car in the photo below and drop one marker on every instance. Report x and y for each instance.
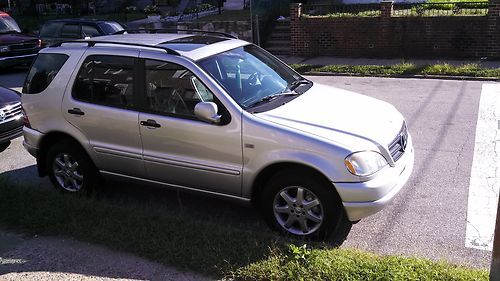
(216, 115)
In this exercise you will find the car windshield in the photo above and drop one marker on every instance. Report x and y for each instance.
(251, 76)
(110, 27)
(8, 24)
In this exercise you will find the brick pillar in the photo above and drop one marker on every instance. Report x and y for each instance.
(386, 9)
(495, 258)
(493, 29)
(296, 32)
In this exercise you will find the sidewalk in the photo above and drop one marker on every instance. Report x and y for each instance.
(55, 258)
(383, 62)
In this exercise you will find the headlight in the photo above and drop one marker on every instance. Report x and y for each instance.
(365, 163)
(4, 49)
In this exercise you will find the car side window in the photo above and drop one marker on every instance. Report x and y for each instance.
(173, 90)
(106, 80)
(90, 31)
(71, 31)
(50, 29)
(43, 71)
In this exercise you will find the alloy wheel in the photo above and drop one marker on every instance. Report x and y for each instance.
(298, 210)
(68, 172)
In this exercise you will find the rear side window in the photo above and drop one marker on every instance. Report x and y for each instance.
(42, 72)
(89, 30)
(71, 31)
(106, 80)
(50, 29)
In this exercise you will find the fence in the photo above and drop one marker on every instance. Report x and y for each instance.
(436, 9)
(443, 30)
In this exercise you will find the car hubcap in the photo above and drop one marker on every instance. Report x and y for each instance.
(298, 210)
(68, 172)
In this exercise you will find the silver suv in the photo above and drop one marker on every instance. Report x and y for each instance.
(215, 115)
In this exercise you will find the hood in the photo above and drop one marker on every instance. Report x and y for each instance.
(8, 96)
(15, 38)
(340, 116)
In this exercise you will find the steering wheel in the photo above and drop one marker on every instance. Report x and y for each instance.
(254, 79)
(177, 104)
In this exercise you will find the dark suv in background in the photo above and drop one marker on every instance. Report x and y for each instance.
(11, 121)
(15, 48)
(56, 31)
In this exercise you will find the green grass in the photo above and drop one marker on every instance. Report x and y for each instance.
(207, 245)
(403, 69)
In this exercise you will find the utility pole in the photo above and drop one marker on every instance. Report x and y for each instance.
(495, 258)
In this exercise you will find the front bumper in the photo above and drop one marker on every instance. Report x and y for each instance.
(11, 130)
(362, 199)
(16, 60)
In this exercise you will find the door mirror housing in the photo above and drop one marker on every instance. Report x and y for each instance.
(208, 112)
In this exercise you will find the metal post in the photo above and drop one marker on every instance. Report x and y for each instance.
(257, 33)
(495, 258)
(251, 20)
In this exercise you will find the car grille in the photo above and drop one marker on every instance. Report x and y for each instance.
(397, 146)
(25, 48)
(10, 112)
(11, 133)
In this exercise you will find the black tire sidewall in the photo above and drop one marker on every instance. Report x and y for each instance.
(90, 174)
(333, 211)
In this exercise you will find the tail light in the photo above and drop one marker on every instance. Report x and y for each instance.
(26, 121)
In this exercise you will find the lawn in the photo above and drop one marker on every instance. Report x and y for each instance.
(403, 69)
(203, 241)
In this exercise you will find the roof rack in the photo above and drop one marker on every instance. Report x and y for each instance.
(171, 30)
(91, 43)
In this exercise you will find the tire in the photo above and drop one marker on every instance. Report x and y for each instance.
(4, 145)
(319, 216)
(70, 169)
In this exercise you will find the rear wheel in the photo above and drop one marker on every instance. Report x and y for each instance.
(302, 204)
(70, 169)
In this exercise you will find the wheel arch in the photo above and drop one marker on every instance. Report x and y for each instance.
(46, 142)
(265, 174)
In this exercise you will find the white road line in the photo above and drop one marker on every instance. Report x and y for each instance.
(485, 173)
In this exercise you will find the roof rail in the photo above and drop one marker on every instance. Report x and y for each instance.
(171, 30)
(91, 43)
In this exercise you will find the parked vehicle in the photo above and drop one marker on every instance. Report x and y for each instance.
(11, 121)
(56, 31)
(219, 116)
(15, 48)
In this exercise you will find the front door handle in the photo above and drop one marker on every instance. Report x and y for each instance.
(76, 111)
(150, 123)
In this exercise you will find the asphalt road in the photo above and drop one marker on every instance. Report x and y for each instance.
(427, 219)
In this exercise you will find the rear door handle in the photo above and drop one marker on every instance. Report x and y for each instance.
(76, 111)
(150, 123)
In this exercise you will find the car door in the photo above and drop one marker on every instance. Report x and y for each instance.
(179, 149)
(101, 104)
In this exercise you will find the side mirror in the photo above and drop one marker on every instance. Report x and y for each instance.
(207, 111)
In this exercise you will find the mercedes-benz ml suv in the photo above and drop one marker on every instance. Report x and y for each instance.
(219, 116)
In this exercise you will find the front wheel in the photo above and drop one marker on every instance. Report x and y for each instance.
(303, 205)
(70, 169)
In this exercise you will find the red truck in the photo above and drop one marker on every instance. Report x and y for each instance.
(15, 48)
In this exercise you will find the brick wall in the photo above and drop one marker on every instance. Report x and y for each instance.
(386, 36)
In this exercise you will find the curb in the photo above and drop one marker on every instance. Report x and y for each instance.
(444, 77)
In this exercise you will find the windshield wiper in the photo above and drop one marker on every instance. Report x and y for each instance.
(9, 32)
(270, 98)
